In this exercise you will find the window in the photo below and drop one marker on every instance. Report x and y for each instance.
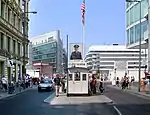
(9, 15)
(70, 77)
(19, 24)
(132, 34)
(128, 37)
(128, 18)
(144, 29)
(50, 39)
(18, 49)
(2, 9)
(14, 46)
(131, 16)
(77, 76)
(14, 20)
(144, 7)
(2, 40)
(137, 32)
(136, 12)
(8, 44)
(84, 77)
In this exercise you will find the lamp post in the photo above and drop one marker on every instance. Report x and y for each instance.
(24, 25)
(139, 1)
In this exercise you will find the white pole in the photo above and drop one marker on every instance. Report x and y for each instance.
(83, 41)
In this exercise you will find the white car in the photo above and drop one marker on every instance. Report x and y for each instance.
(46, 85)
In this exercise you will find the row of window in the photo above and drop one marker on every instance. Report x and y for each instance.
(50, 59)
(8, 14)
(133, 14)
(6, 42)
(50, 55)
(45, 46)
(50, 39)
(133, 34)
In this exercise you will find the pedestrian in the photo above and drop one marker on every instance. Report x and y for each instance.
(4, 83)
(57, 84)
(93, 84)
(101, 88)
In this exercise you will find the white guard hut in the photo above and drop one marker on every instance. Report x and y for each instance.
(78, 78)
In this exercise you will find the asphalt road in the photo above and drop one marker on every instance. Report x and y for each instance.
(32, 103)
(128, 104)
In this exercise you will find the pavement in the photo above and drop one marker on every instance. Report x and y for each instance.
(133, 90)
(128, 103)
(4, 94)
(64, 100)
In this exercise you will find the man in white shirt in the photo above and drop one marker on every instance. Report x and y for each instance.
(4, 83)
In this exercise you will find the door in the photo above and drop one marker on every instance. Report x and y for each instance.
(70, 83)
(77, 83)
(85, 83)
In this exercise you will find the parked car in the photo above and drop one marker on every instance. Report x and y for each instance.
(46, 85)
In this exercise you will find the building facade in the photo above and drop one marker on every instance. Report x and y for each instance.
(11, 38)
(133, 24)
(110, 59)
(48, 48)
(65, 59)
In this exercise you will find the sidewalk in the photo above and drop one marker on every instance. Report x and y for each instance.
(4, 94)
(64, 100)
(133, 90)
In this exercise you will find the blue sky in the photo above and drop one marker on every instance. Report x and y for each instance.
(105, 20)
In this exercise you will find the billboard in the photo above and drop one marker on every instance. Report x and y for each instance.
(76, 51)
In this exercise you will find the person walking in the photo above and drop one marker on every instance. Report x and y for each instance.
(57, 84)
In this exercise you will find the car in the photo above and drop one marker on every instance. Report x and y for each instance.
(46, 85)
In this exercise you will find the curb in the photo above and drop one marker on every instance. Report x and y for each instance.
(15, 94)
(50, 98)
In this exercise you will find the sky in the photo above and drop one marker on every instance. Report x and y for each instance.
(104, 20)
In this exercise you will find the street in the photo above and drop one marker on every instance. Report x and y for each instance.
(128, 104)
(32, 103)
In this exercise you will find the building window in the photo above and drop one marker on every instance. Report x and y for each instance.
(50, 39)
(136, 12)
(14, 20)
(9, 15)
(14, 46)
(2, 40)
(137, 32)
(18, 49)
(8, 44)
(19, 24)
(132, 34)
(128, 37)
(2, 9)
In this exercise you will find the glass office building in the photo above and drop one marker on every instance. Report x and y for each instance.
(133, 23)
(48, 48)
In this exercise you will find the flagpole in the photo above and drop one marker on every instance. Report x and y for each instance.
(83, 40)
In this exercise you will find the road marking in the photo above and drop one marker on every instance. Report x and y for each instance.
(119, 113)
(47, 100)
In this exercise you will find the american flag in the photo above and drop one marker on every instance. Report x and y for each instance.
(83, 12)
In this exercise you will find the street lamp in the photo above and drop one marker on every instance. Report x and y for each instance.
(139, 1)
(24, 25)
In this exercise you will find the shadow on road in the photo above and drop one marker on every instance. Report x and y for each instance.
(83, 109)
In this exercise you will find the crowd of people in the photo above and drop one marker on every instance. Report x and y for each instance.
(11, 84)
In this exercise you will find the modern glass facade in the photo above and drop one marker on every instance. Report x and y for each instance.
(45, 53)
(132, 21)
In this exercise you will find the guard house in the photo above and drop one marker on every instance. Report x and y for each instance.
(77, 78)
